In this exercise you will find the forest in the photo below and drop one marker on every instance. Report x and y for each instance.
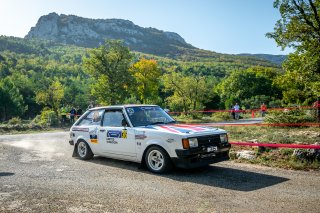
(39, 77)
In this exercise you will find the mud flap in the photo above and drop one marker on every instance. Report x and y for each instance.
(75, 154)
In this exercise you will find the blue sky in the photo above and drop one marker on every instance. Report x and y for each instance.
(225, 26)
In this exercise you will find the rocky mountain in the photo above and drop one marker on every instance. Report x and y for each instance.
(70, 29)
(276, 59)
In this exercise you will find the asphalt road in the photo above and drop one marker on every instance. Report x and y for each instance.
(38, 174)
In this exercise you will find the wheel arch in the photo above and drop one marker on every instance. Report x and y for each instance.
(148, 147)
(81, 139)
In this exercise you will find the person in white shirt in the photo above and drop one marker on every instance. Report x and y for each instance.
(236, 109)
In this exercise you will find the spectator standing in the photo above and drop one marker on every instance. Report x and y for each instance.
(79, 112)
(316, 106)
(72, 114)
(63, 111)
(236, 109)
(263, 109)
(232, 113)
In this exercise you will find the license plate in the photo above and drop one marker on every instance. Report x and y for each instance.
(212, 149)
(208, 155)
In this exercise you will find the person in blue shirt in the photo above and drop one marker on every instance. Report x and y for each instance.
(73, 112)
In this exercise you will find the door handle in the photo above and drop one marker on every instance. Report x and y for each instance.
(102, 130)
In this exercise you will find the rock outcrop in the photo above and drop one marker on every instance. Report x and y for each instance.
(70, 29)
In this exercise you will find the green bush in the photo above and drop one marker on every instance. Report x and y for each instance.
(221, 116)
(289, 116)
(15, 121)
(47, 118)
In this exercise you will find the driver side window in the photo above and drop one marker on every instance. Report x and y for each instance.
(113, 118)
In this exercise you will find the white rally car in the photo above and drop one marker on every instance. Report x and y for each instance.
(148, 135)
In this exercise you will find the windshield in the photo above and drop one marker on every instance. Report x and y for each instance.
(148, 115)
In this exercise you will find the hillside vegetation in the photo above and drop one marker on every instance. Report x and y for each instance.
(39, 77)
(33, 67)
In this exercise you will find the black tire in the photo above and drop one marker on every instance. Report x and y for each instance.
(157, 160)
(83, 150)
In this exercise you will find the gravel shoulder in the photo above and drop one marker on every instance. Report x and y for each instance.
(38, 174)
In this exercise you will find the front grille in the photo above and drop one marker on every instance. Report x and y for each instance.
(209, 140)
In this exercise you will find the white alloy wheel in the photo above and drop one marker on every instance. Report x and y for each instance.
(82, 149)
(155, 160)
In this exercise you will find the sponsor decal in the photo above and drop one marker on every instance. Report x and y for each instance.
(111, 140)
(124, 133)
(140, 135)
(130, 111)
(182, 130)
(94, 136)
(114, 133)
(169, 129)
(170, 140)
(193, 128)
(79, 129)
(117, 133)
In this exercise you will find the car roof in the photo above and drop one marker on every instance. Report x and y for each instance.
(120, 106)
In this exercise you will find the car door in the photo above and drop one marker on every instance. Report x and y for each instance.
(87, 129)
(118, 141)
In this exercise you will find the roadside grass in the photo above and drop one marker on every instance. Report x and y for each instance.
(27, 126)
(265, 134)
(275, 157)
(208, 117)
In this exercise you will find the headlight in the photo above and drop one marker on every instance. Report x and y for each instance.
(189, 143)
(224, 138)
(193, 142)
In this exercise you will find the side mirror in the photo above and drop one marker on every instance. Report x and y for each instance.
(124, 123)
(167, 110)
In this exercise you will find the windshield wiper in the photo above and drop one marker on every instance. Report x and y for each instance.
(171, 122)
(158, 122)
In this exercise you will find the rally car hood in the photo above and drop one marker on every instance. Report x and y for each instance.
(184, 129)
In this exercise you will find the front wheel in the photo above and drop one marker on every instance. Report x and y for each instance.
(157, 160)
(84, 151)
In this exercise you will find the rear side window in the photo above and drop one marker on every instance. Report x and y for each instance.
(91, 119)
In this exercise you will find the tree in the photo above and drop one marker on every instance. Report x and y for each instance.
(146, 74)
(11, 101)
(241, 85)
(109, 67)
(76, 93)
(299, 25)
(299, 28)
(189, 92)
(51, 97)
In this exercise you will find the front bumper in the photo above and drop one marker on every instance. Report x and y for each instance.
(197, 157)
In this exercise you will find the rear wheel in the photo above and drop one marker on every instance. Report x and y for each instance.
(84, 151)
(157, 160)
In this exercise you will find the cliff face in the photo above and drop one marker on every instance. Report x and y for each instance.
(70, 29)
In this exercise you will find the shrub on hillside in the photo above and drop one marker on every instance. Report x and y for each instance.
(47, 118)
(221, 116)
(289, 116)
(15, 121)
